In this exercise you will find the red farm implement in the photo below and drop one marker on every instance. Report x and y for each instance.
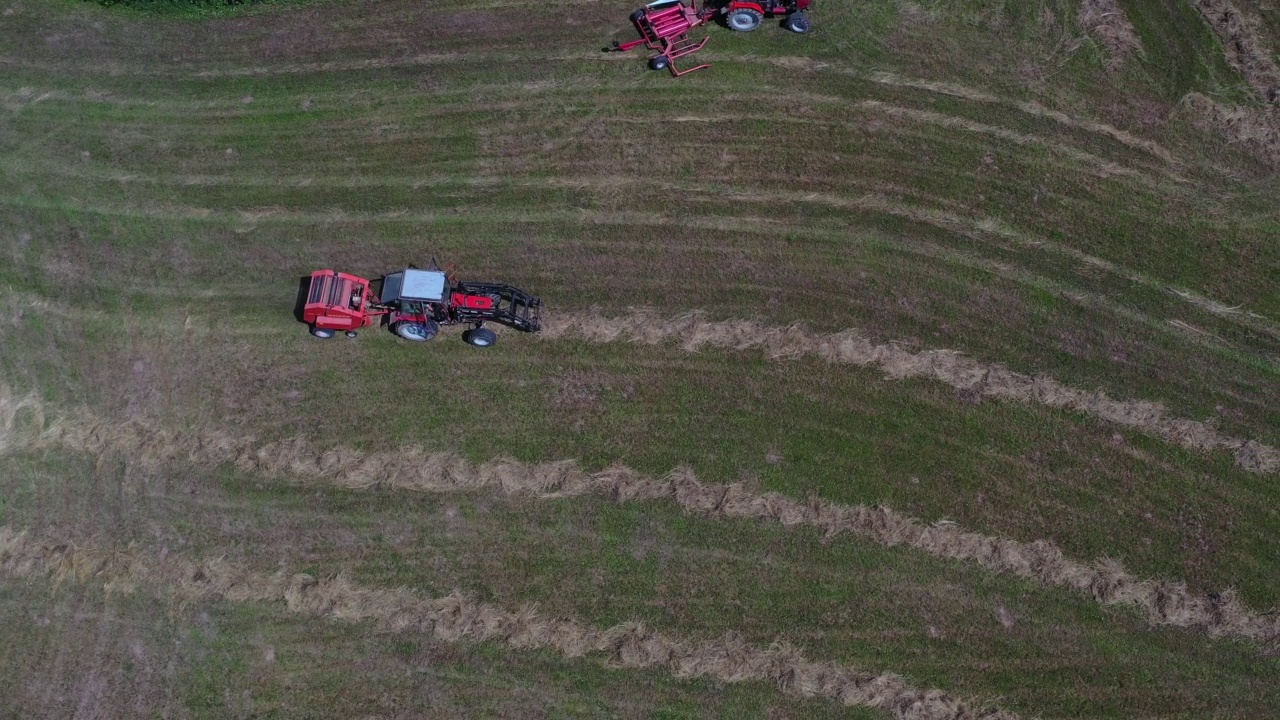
(415, 303)
(664, 25)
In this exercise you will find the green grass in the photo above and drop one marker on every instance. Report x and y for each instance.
(898, 170)
(870, 607)
(1181, 52)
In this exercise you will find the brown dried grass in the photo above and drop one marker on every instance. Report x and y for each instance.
(1257, 129)
(456, 618)
(1160, 601)
(1245, 51)
(1105, 19)
(695, 331)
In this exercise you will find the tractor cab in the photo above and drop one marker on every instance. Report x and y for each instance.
(412, 285)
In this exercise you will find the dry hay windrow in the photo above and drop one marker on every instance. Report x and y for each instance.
(695, 331)
(1161, 602)
(1256, 128)
(455, 618)
(1245, 51)
(1106, 20)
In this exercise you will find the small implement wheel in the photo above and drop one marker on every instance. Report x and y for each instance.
(797, 23)
(351, 333)
(659, 63)
(743, 20)
(480, 337)
(635, 16)
(416, 332)
(322, 333)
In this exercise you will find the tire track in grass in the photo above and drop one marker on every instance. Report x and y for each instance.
(25, 425)
(694, 331)
(1092, 164)
(457, 618)
(1028, 107)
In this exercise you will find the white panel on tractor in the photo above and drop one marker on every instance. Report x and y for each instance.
(414, 284)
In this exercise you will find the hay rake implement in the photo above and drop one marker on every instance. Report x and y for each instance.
(664, 26)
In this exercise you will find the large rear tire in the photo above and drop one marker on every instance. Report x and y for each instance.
(416, 332)
(322, 333)
(744, 20)
(480, 337)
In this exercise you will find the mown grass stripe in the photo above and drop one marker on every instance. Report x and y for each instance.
(24, 423)
(457, 618)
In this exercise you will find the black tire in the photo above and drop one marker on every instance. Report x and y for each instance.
(416, 332)
(797, 23)
(743, 20)
(480, 337)
(659, 63)
(635, 16)
(322, 333)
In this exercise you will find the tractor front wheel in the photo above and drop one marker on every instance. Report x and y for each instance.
(416, 332)
(480, 337)
(797, 23)
(659, 63)
(322, 333)
(743, 20)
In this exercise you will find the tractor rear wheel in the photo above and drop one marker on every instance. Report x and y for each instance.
(797, 23)
(743, 19)
(480, 337)
(416, 332)
(659, 63)
(322, 333)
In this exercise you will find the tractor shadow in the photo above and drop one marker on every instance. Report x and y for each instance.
(300, 302)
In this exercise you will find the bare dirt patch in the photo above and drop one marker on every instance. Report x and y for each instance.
(456, 618)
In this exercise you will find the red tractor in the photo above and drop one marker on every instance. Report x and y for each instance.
(415, 303)
(746, 15)
(664, 25)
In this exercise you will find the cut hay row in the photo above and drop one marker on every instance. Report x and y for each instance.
(1256, 128)
(1245, 51)
(1105, 19)
(694, 331)
(1161, 602)
(456, 618)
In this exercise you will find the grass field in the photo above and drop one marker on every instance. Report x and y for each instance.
(963, 316)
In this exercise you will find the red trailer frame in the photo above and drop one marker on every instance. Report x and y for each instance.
(664, 28)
